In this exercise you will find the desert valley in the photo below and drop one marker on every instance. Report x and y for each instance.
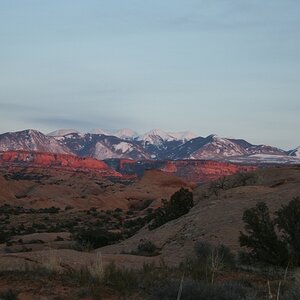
(104, 217)
(149, 150)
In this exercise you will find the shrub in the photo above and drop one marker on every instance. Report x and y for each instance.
(146, 248)
(217, 185)
(261, 237)
(49, 210)
(204, 252)
(36, 241)
(226, 182)
(69, 207)
(134, 225)
(39, 226)
(288, 220)
(202, 249)
(180, 203)
(4, 235)
(96, 237)
(142, 204)
(244, 179)
(9, 295)
(209, 260)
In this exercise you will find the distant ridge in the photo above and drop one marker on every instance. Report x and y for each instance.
(153, 145)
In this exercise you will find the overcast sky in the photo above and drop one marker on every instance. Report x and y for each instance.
(217, 66)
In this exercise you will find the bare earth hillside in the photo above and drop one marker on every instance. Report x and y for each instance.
(40, 187)
(217, 219)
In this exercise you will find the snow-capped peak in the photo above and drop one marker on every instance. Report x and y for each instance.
(183, 135)
(153, 135)
(126, 134)
(99, 131)
(31, 140)
(62, 132)
(221, 146)
(216, 137)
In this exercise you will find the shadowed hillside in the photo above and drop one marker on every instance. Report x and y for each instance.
(218, 218)
(39, 187)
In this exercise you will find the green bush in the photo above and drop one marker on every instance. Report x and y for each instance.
(95, 237)
(288, 221)
(244, 179)
(209, 261)
(229, 182)
(277, 241)
(49, 210)
(5, 235)
(146, 248)
(180, 203)
(9, 295)
(261, 237)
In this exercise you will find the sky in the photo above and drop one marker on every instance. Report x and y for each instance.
(226, 67)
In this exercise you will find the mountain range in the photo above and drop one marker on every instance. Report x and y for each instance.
(153, 145)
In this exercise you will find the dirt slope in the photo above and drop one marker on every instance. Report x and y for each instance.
(41, 187)
(217, 219)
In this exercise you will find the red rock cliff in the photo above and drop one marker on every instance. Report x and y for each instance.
(202, 171)
(195, 171)
(64, 161)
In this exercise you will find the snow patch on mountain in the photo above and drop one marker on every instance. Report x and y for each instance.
(156, 136)
(102, 152)
(183, 136)
(265, 159)
(216, 147)
(31, 140)
(123, 147)
(126, 134)
(263, 149)
(62, 132)
(100, 131)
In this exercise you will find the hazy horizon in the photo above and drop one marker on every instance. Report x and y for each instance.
(230, 68)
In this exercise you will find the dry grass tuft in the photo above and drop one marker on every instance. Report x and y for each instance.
(95, 268)
(53, 262)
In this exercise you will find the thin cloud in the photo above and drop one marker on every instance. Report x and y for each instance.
(16, 107)
(104, 122)
(60, 122)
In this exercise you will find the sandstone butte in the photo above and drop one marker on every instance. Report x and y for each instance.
(63, 161)
(204, 170)
(195, 171)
